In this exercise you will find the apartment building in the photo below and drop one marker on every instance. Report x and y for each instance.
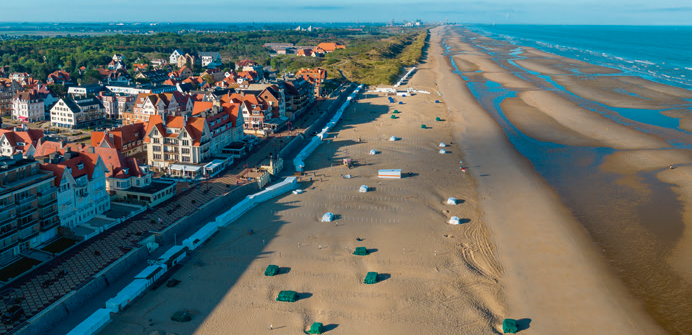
(28, 107)
(77, 112)
(22, 140)
(128, 139)
(28, 206)
(146, 105)
(8, 89)
(80, 178)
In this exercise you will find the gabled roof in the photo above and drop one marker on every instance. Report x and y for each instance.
(194, 126)
(201, 106)
(120, 136)
(245, 62)
(330, 47)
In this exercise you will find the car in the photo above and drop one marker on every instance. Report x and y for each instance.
(13, 314)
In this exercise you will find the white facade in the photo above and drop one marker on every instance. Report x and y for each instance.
(32, 110)
(81, 199)
(173, 59)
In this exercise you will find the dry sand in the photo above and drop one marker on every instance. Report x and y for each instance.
(438, 278)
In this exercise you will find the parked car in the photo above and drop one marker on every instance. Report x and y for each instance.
(13, 314)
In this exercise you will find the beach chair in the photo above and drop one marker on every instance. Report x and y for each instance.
(271, 270)
(361, 251)
(316, 328)
(370, 278)
(509, 326)
(287, 296)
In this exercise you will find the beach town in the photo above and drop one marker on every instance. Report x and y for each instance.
(410, 208)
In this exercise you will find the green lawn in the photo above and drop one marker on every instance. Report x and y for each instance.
(17, 268)
(60, 245)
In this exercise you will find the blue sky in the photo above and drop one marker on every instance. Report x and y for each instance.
(633, 12)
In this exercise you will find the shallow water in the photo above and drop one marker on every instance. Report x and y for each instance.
(635, 226)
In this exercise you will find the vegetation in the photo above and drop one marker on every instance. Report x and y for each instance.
(373, 55)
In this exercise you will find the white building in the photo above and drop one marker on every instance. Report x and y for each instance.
(173, 59)
(77, 112)
(81, 181)
(210, 59)
(28, 107)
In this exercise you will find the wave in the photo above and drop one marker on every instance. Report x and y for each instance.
(644, 62)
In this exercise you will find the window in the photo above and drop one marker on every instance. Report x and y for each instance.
(157, 148)
(157, 156)
(185, 150)
(186, 142)
(186, 159)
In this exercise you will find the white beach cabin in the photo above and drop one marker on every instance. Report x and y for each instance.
(373, 152)
(443, 151)
(392, 139)
(442, 145)
(328, 217)
(451, 201)
(454, 220)
(363, 189)
(389, 173)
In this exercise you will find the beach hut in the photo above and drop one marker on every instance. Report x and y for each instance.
(442, 145)
(509, 326)
(328, 217)
(370, 278)
(438, 119)
(393, 117)
(396, 111)
(454, 220)
(316, 328)
(401, 102)
(361, 251)
(392, 139)
(363, 189)
(373, 152)
(389, 173)
(451, 201)
(271, 270)
(437, 101)
(287, 296)
(423, 126)
(443, 151)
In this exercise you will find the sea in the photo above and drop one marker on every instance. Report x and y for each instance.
(658, 53)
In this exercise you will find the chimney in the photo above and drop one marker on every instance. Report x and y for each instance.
(91, 150)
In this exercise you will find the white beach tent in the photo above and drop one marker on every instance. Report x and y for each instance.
(392, 139)
(389, 173)
(298, 191)
(373, 152)
(443, 151)
(442, 145)
(451, 201)
(454, 220)
(363, 189)
(328, 217)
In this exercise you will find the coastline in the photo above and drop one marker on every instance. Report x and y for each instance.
(554, 274)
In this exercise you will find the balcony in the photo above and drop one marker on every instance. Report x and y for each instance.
(45, 214)
(43, 202)
(49, 223)
(25, 200)
(48, 191)
(7, 220)
(6, 207)
(27, 234)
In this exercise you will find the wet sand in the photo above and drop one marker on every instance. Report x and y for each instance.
(635, 209)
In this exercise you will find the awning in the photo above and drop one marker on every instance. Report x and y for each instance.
(176, 167)
(192, 168)
(213, 164)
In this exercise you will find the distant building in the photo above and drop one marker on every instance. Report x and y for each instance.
(77, 113)
(59, 77)
(330, 47)
(315, 76)
(177, 53)
(19, 140)
(146, 105)
(28, 107)
(8, 89)
(114, 104)
(128, 139)
(210, 59)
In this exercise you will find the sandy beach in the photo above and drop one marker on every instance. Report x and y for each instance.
(520, 251)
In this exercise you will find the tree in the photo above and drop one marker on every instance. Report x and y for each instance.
(209, 79)
(59, 90)
(92, 77)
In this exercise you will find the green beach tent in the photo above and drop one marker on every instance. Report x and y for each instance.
(316, 328)
(393, 117)
(396, 111)
(423, 126)
(360, 251)
(438, 119)
(288, 296)
(371, 278)
(271, 270)
(509, 326)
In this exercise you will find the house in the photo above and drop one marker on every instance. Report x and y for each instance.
(215, 74)
(181, 74)
(191, 147)
(156, 76)
(77, 112)
(140, 88)
(80, 179)
(128, 139)
(248, 65)
(146, 105)
(177, 53)
(139, 67)
(304, 52)
(49, 98)
(299, 95)
(315, 76)
(28, 207)
(20, 77)
(59, 77)
(28, 107)
(330, 47)
(250, 76)
(210, 59)
(20, 139)
(114, 104)
(8, 89)
(189, 60)
(158, 63)
(130, 181)
(116, 65)
(118, 58)
(85, 89)
(254, 109)
(119, 77)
